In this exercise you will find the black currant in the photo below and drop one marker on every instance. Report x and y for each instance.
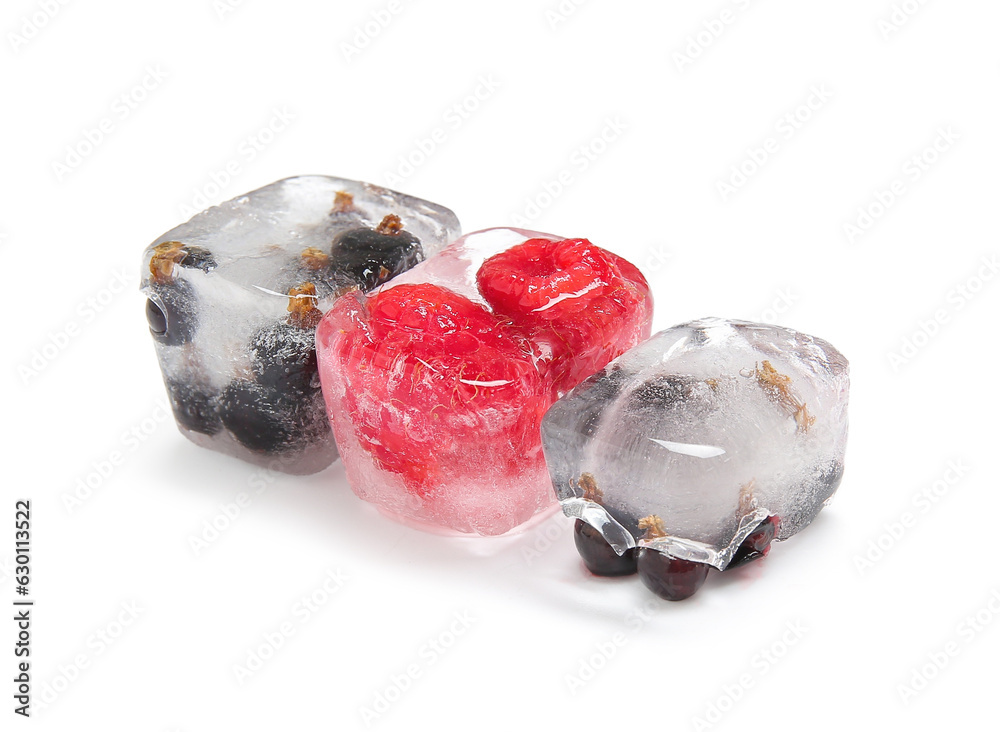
(670, 578)
(662, 392)
(283, 358)
(370, 257)
(593, 397)
(194, 407)
(757, 544)
(171, 312)
(195, 257)
(598, 555)
(156, 318)
(259, 418)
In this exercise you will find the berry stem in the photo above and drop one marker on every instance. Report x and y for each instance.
(165, 256)
(391, 225)
(302, 306)
(343, 202)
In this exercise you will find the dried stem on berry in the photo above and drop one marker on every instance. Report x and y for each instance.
(302, 306)
(748, 501)
(653, 526)
(390, 225)
(313, 258)
(590, 490)
(778, 388)
(343, 202)
(165, 256)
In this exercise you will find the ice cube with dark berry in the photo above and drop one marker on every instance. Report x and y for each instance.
(700, 447)
(436, 382)
(234, 296)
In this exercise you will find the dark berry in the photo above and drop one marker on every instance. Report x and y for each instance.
(757, 544)
(594, 394)
(260, 419)
(198, 258)
(370, 257)
(156, 318)
(194, 407)
(171, 312)
(831, 477)
(662, 392)
(283, 358)
(343, 203)
(168, 254)
(668, 577)
(599, 556)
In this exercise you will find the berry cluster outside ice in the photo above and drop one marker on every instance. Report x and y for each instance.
(436, 383)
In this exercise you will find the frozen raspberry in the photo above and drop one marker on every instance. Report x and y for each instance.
(580, 305)
(438, 389)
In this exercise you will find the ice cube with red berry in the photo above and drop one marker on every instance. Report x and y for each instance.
(436, 383)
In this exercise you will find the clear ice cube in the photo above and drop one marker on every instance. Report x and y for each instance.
(687, 442)
(235, 293)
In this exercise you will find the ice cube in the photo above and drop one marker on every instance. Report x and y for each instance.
(436, 383)
(689, 442)
(234, 296)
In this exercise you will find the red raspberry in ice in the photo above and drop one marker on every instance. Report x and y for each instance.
(580, 305)
(436, 385)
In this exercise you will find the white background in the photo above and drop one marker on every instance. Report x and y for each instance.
(83, 381)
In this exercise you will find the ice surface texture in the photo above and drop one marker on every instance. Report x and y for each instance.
(234, 296)
(700, 433)
(436, 384)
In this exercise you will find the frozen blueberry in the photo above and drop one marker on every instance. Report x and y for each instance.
(194, 407)
(594, 394)
(195, 257)
(598, 555)
(156, 318)
(172, 312)
(830, 477)
(662, 392)
(373, 256)
(260, 419)
(283, 358)
(670, 578)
